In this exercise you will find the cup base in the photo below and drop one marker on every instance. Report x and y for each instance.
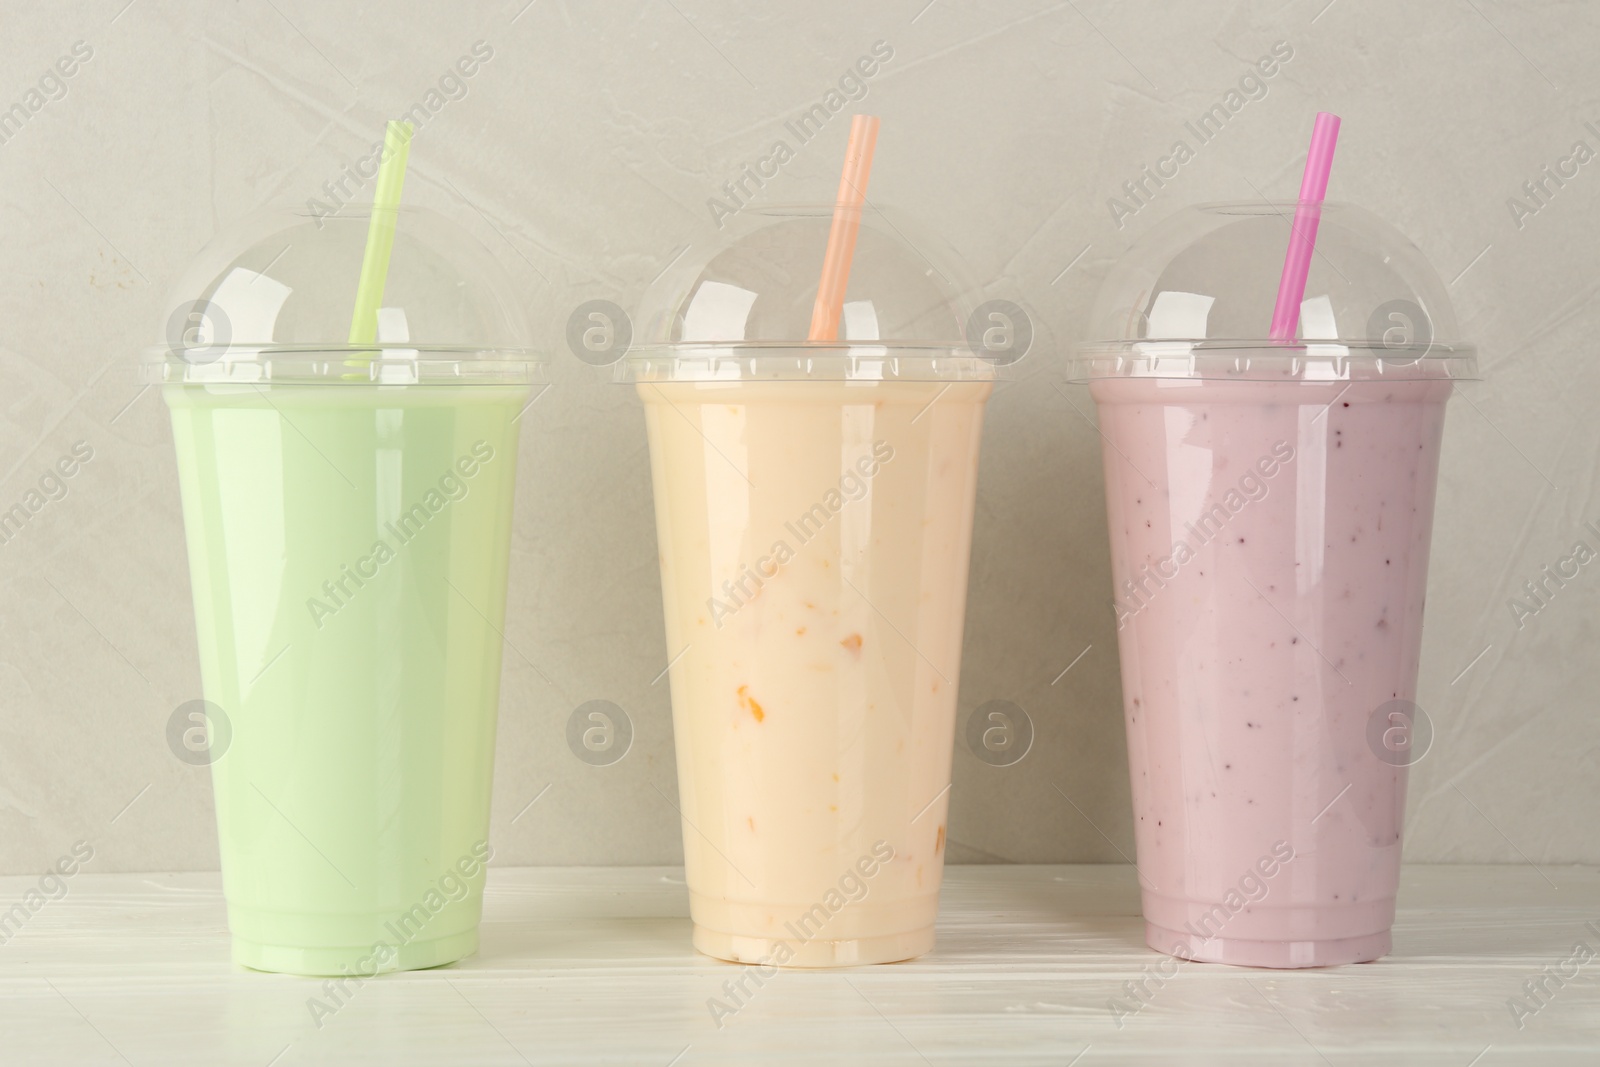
(846, 952)
(342, 960)
(1281, 955)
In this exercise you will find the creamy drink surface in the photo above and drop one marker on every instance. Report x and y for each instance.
(814, 542)
(1269, 545)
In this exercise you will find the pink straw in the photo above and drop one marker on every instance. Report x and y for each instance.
(1303, 235)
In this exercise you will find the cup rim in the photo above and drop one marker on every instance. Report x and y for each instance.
(341, 364)
(1300, 346)
(795, 361)
(1263, 359)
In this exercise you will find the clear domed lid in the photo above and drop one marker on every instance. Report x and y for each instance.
(272, 300)
(740, 305)
(1195, 298)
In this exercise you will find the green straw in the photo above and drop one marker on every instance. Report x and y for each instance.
(380, 233)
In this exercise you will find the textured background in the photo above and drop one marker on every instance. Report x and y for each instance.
(584, 153)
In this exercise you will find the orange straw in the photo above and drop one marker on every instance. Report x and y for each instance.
(846, 221)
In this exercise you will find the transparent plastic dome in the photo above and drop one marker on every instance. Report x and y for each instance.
(272, 299)
(1195, 298)
(740, 305)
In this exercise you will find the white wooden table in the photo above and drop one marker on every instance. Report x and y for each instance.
(593, 965)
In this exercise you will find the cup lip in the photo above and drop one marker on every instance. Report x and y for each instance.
(388, 363)
(1264, 359)
(802, 361)
(522, 353)
(909, 347)
(1300, 347)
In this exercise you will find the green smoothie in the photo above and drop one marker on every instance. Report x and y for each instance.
(348, 549)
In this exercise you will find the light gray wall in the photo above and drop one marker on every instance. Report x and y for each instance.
(588, 147)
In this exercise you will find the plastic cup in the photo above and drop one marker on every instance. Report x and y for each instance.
(814, 510)
(348, 514)
(1270, 507)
